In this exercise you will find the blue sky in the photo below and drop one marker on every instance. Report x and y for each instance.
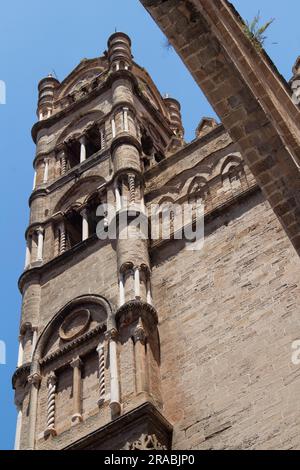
(35, 41)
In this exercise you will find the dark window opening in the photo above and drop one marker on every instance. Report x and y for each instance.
(147, 144)
(73, 228)
(73, 154)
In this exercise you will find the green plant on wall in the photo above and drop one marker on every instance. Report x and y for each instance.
(255, 32)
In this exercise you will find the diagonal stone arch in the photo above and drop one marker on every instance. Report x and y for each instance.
(246, 90)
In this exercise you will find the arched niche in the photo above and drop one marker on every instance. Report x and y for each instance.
(79, 193)
(67, 326)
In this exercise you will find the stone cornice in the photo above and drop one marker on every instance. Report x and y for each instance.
(125, 139)
(73, 344)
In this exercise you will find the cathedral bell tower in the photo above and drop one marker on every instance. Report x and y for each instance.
(88, 374)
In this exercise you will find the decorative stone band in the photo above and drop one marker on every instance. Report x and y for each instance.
(73, 344)
(134, 310)
(125, 139)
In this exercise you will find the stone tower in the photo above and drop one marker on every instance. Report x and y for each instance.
(89, 362)
(151, 342)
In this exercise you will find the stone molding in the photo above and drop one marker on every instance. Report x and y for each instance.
(134, 310)
(69, 347)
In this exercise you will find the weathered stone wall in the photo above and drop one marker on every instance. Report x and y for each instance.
(228, 317)
(251, 98)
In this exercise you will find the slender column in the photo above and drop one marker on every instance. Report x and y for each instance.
(137, 283)
(77, 365)
(113, 128)
(40, 248)
(131, 182)
(51, 384)
(115, 405)
(18, 428)
(21, 351)
(125, 120)
(34, 341)
(85, 224)
(149, 293)
(35, 381)
(101, 355)
(121, 289)
(34, 181)
(142, 384)
(46, 170)
(62, 238)
(82, 149)
(28, 253)
(118, 198)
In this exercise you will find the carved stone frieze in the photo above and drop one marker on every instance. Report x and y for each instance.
(146, 442)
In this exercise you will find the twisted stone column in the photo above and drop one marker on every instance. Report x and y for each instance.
(131, 182)
(62, 239)
(101, 355)
(51, 384)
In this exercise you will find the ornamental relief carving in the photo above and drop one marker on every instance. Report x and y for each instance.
(146, 442)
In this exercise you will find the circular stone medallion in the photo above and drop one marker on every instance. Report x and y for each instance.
(75, 325)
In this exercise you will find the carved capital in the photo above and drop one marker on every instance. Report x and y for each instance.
(76, 363)
(52, 380)
(35, 379)
(112, 335)
(139, 335)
